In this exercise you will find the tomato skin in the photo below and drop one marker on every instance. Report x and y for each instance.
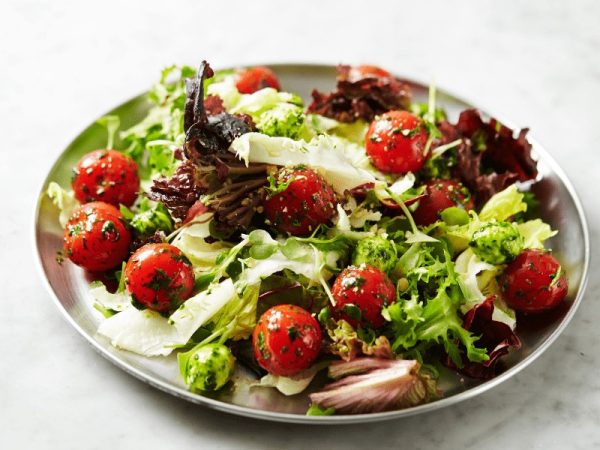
(368, 289)
(255, 79)
(286, 340)
(389, 149)
(96, 237)
(159, 276)
(108, 176)
(367, 71)
(441, 194)
(529, 285)
(307, 202)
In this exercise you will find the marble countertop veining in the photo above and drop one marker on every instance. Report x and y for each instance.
(63, 63)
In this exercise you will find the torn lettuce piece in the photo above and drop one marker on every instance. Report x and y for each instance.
(354, 131)
(64, 200)
(144, 332)
(291, 385)
(468, 266)
(503, 205)
(118, 301)
(343, 164)
(191, 240)
(374, 385)
(535, 232)
(149, 334)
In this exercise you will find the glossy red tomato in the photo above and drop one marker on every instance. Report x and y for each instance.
(255, 79)
(96, 238)
(286, 340)
(441, 194)
(106, 175)
(360, 294)
(534, 282)
(367, 71)
(396, 141)
(159, 277)
(300, 201)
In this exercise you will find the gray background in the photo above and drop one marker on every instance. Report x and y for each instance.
(64, 63)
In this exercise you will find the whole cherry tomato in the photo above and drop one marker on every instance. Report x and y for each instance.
(255, 79)
(360, 294)
(286, 340)
(396, 141)
(299, 201)
(96, 238)
(534, 282)
(441, 194)
(108, 176)
(159, 276)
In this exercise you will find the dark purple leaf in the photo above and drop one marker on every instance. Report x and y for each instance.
(496, 337)
(359, 97)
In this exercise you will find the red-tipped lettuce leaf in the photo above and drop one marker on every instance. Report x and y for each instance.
(376, 385)
(360, 97)
(496, 337)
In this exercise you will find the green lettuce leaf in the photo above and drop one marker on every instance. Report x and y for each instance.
(64, 200)
(535, 232)
(503, 205)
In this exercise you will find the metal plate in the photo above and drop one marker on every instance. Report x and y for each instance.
(68, 284)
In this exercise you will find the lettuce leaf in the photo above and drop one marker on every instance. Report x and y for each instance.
(535, 232)
(64, 200)
(503, 205)
(343, 164)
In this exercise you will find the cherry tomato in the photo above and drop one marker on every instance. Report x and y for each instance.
(255, 79)
(441, 194)
(96, 238)
(360, 293)
(367, 71)
(396, 141)
(286, 340)
(300, 201)
(534, 282)
(159, 277)
(108, 176)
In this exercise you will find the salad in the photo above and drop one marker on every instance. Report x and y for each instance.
(365, 236)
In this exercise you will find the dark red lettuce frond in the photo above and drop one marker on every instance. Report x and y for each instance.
(496, 337)
(500, 150)
(232, 191)
(490, 158)
(359, 97)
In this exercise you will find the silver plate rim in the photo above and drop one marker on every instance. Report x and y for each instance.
(341, 419)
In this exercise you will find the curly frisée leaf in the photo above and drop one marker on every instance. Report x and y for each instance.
(375, 385)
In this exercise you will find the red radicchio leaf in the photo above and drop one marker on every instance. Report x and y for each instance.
(489, 159)
(374, 385)
(179, 192)
(359, 97)
(496, 337)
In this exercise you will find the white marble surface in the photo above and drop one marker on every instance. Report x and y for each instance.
(63, 63)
